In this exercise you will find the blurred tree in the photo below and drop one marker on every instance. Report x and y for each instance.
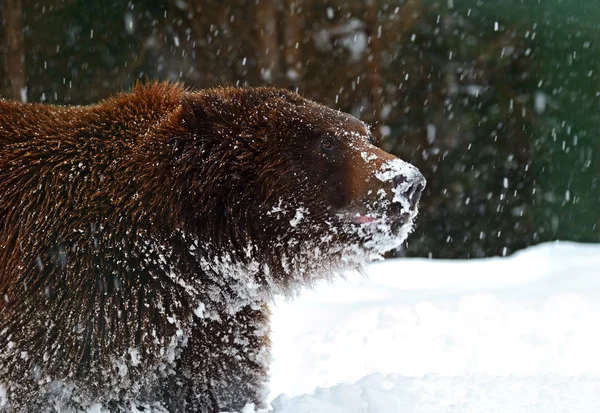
(293, 25)
(373, 31)
(497, 104)
(14, 51)
(267, 42)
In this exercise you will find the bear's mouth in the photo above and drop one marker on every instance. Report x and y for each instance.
(371, 218)
(377, 230)
(360, 219)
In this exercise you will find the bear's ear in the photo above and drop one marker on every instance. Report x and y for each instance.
(230, 107)
(198, 110)
(220, 109)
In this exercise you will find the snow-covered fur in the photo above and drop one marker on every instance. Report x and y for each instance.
(142, 237)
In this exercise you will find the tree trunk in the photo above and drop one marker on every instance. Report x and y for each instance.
(292, 42)
(374, 64)
(267, 45)
(15, 86)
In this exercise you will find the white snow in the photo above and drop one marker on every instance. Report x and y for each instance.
(436, 394)
(3, 397)
(519, 334)
(473, 90)
(540, 101)
(129, 22)
(514, 334)
(393, 169)
(431, 133)
(350, 35)
(23, 93)
(300, 214)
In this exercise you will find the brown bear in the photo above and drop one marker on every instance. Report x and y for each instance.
(142, 237)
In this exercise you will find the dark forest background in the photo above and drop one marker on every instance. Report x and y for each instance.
(496, 102)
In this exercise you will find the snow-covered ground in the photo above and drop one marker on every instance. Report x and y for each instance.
(515, 334)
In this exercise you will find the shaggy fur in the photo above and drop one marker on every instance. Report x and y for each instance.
(142, 237)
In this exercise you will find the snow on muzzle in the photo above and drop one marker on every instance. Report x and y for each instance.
(384, 188)
(407, 183)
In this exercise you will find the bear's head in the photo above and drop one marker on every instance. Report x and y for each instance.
(283, 182)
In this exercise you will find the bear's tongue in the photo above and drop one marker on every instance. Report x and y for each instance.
(363, 219)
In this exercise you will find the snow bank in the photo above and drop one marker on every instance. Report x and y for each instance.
(503, 335)
(479, 393)
(515, 334)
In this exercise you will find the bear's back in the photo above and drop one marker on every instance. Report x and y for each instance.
(73, 280)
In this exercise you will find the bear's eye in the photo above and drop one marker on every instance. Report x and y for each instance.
(328, 142)
(328, 145)
(372, 140)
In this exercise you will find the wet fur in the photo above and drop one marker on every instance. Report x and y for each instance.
(142, 237)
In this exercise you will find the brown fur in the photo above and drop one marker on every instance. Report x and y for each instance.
(142, 237)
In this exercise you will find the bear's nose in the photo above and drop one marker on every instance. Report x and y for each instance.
(413, 186)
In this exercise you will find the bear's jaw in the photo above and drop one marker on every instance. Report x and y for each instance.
(377, 232)
(386, 235)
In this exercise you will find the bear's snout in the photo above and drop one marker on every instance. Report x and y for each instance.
(410, 187)
(406, 183)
